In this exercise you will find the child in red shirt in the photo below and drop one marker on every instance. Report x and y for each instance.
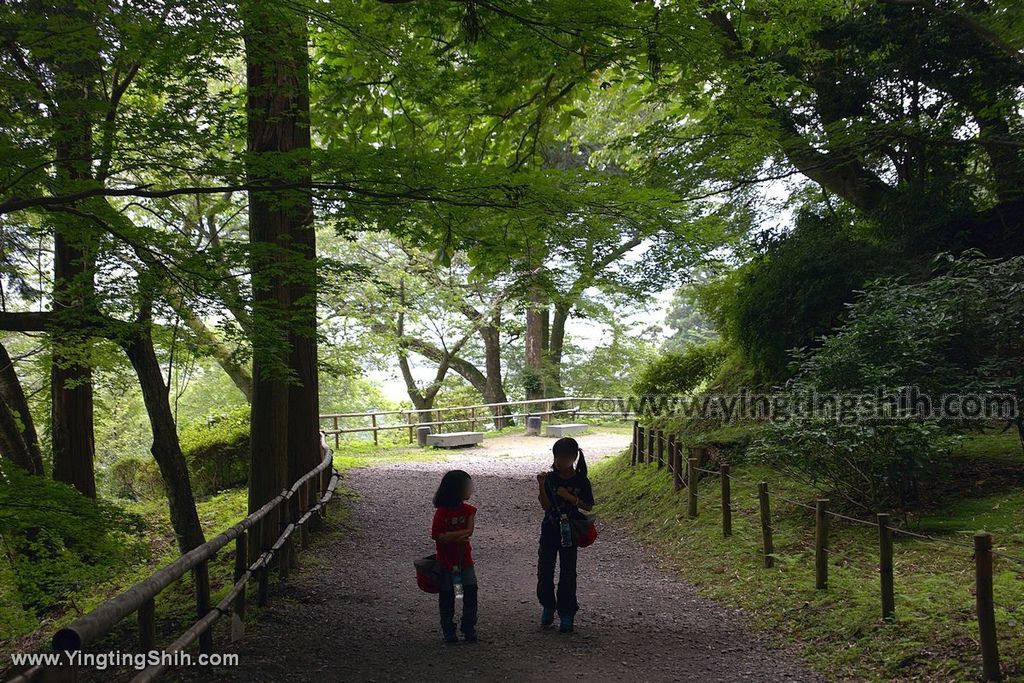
(452, 528)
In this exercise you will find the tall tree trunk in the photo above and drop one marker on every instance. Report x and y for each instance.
(534, 345)
(284, 422)
(494, 388)
(71, 420)
(304, 395)
(23, 440)
(556, 345)
(166, 448)
(71, 417)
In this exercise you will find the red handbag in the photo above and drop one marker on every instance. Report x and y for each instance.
(584, 531)
(428, 574)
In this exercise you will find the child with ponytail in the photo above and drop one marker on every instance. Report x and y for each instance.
(564, 492)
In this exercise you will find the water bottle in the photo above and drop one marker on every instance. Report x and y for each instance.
(566, 530)
(457, 582)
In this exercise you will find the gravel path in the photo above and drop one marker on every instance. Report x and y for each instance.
(361, 617)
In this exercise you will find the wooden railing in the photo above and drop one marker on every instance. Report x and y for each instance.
(313, 491)
(473, 415)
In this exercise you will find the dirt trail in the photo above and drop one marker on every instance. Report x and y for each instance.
(361, 618)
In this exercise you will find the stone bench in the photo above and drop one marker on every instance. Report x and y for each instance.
(566, 430)
(455, 439)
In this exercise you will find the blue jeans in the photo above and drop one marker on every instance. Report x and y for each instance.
(446, 601)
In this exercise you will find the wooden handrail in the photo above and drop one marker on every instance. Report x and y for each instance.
(410, 423)
(224, 606)
(88, 627)
(328, 416)
(492, 405)
(415, 411)
(441, 423)
(99, 621)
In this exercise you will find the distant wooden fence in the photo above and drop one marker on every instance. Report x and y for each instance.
(472, 416)
(652, 445)
(313, 491)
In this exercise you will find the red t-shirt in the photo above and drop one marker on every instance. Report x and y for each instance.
(451, 553)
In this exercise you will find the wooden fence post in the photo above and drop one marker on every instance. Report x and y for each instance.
(410, 421)
(985, 606)
(723, 472)
(634, 450)
(303, 494)
(885, 566)
(661, 448)
(640, 436)
(677, 464)
(691, 488)
(147, 625)
(766, 524)
(260, 543)
(313, 497)
(337, 436)
(325, 481)
(284, 563)
(293, 543)
(670, 453)
(373, 421)
(241, 564)
(201, 574)
(650, 444)
(821, 543)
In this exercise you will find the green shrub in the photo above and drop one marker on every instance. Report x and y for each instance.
(57, 541)
(873, 467)
(673, 374)
(959, 330)
(135, 479)
(217, 451)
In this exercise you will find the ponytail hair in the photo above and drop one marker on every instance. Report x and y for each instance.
(569, 446)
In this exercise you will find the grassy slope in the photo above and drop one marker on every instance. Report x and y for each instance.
(839, 630)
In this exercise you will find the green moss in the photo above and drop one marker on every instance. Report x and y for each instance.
(217, 451)
(934, 636)
(993, 444)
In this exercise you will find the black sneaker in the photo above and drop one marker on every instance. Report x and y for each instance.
(547, 616)
(565, 624)
(449, 636)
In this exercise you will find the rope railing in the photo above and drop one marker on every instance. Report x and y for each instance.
(896, 530)
(652, 445)
(313, 491)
